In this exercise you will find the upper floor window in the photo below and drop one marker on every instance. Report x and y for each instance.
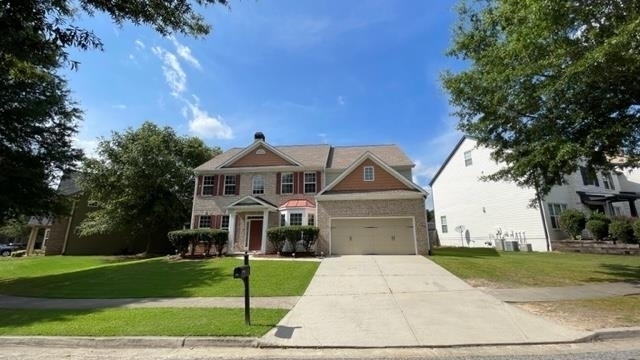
(443, 223)
(589, 176)
(309, 182)
(224, 223)
(258, 184)
(205, 222)
(230, 184)
(607, 181)
(295, 219)
(554, 213)
(467, 158)
(368, 173)
(208, 185)
(286, 183)
(311, 219)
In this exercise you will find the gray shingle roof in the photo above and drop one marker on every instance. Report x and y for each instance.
(392, 155)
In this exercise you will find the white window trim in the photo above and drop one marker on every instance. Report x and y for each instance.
(364, 173)
(315, 182)
(443, 225)
(212, 185)
(553, 216)
(296, 213)
(253, 184)
(202, 217)
(311, 216)
(468, 160)
(222, 222)
(225, 184)
(282, 183)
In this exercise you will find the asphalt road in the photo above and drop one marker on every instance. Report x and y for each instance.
(610, 350)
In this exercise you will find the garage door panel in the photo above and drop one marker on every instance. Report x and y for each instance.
(389, 236)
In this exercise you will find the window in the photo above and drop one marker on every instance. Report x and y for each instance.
(443, 222)
(368, 173)
(311, 219)
(283, 220)
(467, 158)
(208, 185)
(205, 222)
(607, 181)
(224, 224)
(229, 184)
(309, 182)
(286, 183)
(295, 219)
(617, 211)
(258, 184)
(554, 213)
(589, 176)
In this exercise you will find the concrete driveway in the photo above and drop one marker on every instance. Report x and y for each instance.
(395, 301)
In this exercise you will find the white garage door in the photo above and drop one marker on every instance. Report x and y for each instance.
(376, 236)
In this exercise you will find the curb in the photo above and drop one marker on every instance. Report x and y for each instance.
(127, 341)
(617, 333)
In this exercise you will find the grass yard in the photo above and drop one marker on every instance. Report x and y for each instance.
(491, 268)
(138, 322)
(111, 277)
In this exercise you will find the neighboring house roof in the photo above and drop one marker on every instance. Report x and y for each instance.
(297, 203)
(392, 155)
(444, 164)
(315, 156)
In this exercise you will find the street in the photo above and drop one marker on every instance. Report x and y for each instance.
(607, 350)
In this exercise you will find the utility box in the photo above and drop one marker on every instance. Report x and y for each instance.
(511, 246)
(241, 272)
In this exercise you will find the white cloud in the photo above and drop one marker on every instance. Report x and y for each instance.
(172, 70)
(422, 173)
(119, 106)
(185, 53)
(206, 126)
(139, 44)
(88, 146)
(341, 100)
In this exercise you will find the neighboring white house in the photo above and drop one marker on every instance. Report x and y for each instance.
(471, 212)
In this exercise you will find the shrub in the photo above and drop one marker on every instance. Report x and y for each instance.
(276, 238)
(598, 228)
(182, 239)
(572, 221)
(292, 234)
(621, 229)
(213, 237)
(597, 215)
(636, 229)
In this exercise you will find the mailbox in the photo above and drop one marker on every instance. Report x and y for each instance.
(241, 272)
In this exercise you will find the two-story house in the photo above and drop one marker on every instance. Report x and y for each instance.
(361, 197)
(472, 212)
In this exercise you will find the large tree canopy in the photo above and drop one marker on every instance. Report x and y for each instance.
(38, 119)
(142, 183)
(550, 85)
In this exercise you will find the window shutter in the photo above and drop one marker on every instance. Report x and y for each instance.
(318, 181)
(278, 181)
(215, 184)
(296, 189)
(196, 222)
(214, 220)
(199, 185)
(238, 184)
(220, 185)
(300, 182)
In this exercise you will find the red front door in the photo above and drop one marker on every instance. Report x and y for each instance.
(255, 235)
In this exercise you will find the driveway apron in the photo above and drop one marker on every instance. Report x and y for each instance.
(397, 301)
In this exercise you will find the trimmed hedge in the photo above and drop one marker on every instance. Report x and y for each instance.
(598, 225)
(572, 221)
(182, 239)
(292, 234)
(621, 229)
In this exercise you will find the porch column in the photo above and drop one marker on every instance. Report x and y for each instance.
(232, 232)
(265, 225)
(31, 243)
(632, 208)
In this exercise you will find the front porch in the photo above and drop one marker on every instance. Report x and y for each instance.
(249, 219)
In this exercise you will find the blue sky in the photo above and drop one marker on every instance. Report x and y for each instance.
(303, 72)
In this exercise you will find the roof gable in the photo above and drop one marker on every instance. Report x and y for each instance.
(249, 202)
(446, 161)
(385, 178)
(260, 154)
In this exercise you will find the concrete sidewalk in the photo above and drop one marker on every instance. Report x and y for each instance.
(588, 291)
(404, 301)
(17, 302)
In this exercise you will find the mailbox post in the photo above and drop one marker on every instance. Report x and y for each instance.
(243, 272)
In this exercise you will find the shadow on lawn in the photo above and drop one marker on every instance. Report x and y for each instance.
(465, 252)
(627, 273)
(149, 278)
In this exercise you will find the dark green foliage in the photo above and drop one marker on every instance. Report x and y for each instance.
(38, 118)
(598, 228)
(143, 182)
(15, 230)
(182, 239)
(636, 229)
(293, 234)
(597, 215)
(572, 221)
(551, 85)
(621, 229)
(277, 238)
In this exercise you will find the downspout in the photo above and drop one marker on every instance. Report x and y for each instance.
(66, 233)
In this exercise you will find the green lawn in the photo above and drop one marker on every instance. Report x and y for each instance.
(519, 269)
(109, 277)
(138, 322)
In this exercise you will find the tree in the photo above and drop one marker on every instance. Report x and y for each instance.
(550, 85)
(142, 182)
(38, 118)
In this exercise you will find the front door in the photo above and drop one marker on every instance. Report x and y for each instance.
(255, 235)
